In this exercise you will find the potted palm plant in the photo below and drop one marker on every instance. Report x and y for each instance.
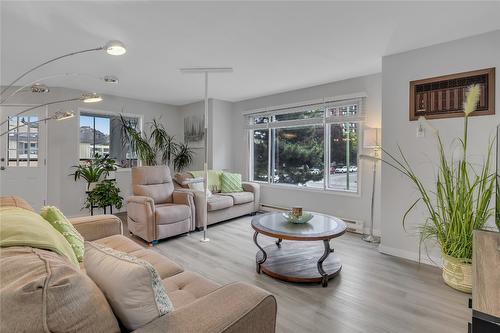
(457, 205)
(157, 147)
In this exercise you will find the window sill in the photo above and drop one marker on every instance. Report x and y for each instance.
(310, 189)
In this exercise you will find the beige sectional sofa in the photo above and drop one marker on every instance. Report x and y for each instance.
(40, 291)
(222, 206)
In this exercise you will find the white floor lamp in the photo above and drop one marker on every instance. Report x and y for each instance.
(371, 141)
(205, 71)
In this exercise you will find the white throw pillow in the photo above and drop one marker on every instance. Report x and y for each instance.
(200, 187)
(132, 286)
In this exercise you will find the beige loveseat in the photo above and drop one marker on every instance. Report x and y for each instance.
(221, 206)
(40, 291)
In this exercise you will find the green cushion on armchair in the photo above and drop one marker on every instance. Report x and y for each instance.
(231, 182)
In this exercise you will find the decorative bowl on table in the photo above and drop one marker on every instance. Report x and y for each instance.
(304, 218)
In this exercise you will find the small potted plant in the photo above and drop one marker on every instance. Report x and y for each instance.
(105, 194)
(457, 205)
(94, 170)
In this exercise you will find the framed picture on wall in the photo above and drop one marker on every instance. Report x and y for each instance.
(443, 96)
(194, 131)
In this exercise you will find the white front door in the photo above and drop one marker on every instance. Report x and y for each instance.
(23, 150)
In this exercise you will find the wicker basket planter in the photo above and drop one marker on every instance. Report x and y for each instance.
(457, 273)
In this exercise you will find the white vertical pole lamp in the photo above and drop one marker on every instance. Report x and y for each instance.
(205, 71)
(371, 141)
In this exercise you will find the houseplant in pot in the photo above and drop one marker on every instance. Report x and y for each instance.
(105, 194)
(458, 204)
(156, 147)
(94, 170)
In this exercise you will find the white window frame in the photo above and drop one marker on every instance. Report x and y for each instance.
(325, 121)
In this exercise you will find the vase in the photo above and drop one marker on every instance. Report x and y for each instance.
(457, 273)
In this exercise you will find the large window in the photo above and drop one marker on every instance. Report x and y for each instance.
(103, 135)
(313, 146)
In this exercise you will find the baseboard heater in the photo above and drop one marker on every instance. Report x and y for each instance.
(352, 225)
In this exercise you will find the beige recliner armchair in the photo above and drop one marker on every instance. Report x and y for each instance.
(156, 210)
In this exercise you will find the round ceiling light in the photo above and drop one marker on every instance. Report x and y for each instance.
(115, 47)
(91, 98)
(110, 79)
(39, 88)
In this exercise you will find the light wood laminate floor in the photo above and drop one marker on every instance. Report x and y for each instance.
(374, 293)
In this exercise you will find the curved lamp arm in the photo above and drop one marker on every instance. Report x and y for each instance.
(113, 47)
(4, 99)
(41, 105)
(48, 62)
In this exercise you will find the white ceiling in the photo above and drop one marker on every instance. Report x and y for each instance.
(273, 46)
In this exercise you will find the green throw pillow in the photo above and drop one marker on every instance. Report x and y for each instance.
(230, 182)
(64, 226)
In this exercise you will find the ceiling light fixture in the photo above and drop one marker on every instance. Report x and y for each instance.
(91, 98)
(111, 79)
(115, 47)
(39, 88)
(63, 115)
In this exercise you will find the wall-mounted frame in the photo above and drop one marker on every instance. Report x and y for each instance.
(443, 96)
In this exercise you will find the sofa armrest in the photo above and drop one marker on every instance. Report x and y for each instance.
(255, 189)
(97, 226)
(186, 198)
(199, 204)
(237, 307)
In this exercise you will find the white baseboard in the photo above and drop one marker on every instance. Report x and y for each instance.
(424, 259)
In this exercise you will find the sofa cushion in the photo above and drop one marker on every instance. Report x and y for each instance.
(21, 227)
(163, 265)
(187, 287)
(132, 286)
(119, 243)
(241, 197)
(213, 180)
(171, 213)
(54, 216)
(217, 202)
(230, 182)
(41, 292)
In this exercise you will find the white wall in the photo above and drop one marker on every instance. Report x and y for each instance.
(221, 129)
(482, 51)
(347, 206)
(63, 141)
(219, 133)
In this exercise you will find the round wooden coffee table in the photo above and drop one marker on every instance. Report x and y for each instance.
(301, 260)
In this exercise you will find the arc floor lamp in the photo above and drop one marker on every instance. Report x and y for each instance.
(113, 47)
(205, 71)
